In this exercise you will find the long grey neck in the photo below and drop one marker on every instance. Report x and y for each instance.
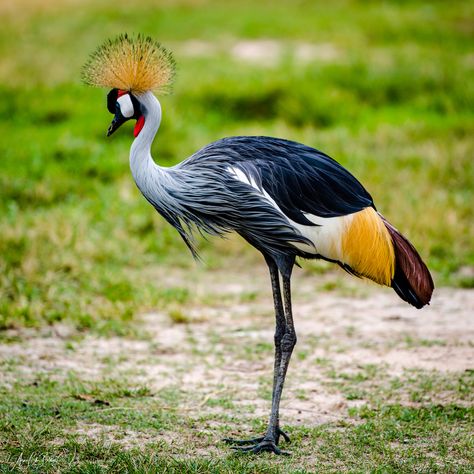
(144, 169)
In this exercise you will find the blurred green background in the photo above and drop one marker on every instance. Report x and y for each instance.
(386, 88)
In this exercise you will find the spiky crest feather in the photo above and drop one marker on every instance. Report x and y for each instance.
(136, 64)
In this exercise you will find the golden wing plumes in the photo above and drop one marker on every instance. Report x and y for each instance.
(136, 64)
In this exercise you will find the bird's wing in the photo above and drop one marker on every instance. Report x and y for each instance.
(300, 179)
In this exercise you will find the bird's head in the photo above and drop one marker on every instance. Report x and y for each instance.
(124, 106)
(132, 65)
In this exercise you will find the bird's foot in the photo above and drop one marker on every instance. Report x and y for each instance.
(258, 445)
(262, 446)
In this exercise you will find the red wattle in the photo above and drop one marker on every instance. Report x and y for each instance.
(139, 125)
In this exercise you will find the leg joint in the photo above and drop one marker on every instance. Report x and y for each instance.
(279, 333)
(288, 341)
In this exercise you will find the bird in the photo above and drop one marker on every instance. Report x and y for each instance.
(288, 200)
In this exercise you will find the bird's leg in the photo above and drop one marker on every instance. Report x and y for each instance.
(280, 328)
(285, 340)
(287, 343)
(279, 333)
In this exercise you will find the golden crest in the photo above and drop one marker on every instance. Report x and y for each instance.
(136, 64)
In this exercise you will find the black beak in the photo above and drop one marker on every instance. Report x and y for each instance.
(118, 120)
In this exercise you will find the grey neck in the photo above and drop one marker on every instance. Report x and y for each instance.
(141, 161)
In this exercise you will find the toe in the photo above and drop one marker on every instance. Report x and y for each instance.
(285, 436)
(242, 442)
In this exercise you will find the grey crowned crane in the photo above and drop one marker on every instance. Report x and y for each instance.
(286, 199)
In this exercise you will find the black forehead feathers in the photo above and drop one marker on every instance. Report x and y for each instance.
(112, 97)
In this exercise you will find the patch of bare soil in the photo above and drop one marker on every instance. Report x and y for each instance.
(225, 351)
(111, 433)
(262, 52)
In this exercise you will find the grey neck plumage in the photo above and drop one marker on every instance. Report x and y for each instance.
(144, 170)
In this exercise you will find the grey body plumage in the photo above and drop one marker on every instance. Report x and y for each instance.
(202, 194)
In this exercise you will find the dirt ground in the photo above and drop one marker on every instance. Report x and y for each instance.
(225, 347)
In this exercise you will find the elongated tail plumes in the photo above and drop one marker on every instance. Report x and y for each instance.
(412, 280)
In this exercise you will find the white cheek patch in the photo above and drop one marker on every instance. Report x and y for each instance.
(126, 106)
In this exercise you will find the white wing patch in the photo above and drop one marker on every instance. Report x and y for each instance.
(239, 175)
(326, 235)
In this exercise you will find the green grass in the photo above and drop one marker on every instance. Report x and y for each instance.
(41, 425)
(392, 100)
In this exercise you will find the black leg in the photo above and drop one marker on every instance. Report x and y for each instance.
(285, 340)
(280, 321)
(288, 342)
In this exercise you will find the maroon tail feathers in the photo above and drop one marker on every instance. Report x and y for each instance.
(412, 280)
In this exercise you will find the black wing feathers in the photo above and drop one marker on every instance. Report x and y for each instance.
(300, 179)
